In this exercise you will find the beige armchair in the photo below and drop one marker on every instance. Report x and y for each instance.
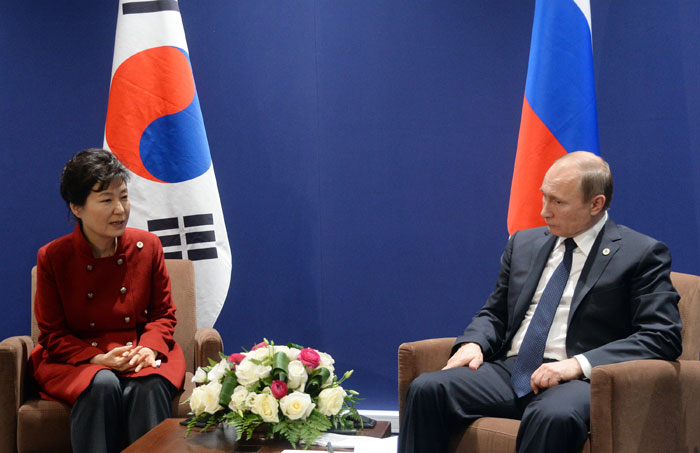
(639, 406)
(30, 424)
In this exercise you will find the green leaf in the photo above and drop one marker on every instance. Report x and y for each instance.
(280, 366)
(316, 380)
(227, 386)
(244, 424)
(211, 420)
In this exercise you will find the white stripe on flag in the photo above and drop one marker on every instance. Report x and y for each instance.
(585, 7)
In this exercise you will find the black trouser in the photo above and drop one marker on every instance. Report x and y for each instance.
(555, 420)
(113, 412)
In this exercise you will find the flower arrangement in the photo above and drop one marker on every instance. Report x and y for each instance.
(287, 390)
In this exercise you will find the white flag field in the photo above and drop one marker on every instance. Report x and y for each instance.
(155, 127)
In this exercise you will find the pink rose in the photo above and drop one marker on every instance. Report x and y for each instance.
(310, 358)
(236, 358)
(279, 389)
(259, 345)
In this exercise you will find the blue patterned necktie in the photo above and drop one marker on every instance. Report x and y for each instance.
(531, 351)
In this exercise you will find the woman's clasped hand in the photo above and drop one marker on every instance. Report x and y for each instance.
(126, 359)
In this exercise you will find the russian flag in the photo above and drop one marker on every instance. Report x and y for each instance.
(155, 127)
(559, 110)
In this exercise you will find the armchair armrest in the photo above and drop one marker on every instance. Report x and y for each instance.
(418, 357)
(208, 344)
(645, 405)
(14, 353)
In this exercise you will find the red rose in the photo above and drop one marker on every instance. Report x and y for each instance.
(279, 389)
(236, 358)
(310, 358)
(259, 345)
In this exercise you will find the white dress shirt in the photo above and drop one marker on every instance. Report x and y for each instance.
(555, 347)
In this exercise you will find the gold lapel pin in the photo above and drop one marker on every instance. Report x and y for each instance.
(606, 251)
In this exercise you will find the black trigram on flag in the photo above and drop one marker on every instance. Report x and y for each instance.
(150, 6)
(186, 240)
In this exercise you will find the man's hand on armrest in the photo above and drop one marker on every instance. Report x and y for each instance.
(553, 373)
(469, 354)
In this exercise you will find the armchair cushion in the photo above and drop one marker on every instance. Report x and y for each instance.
(43, 425)
(488, 434)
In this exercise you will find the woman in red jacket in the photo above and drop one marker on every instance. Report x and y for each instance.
(105, 314)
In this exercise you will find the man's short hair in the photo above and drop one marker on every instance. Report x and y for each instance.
(596, 177)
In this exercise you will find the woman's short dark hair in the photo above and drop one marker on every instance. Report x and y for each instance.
(87, 168)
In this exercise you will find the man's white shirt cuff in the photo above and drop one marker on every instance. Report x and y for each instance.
(585, 365)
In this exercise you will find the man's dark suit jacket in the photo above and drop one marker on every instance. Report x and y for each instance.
(624, 306)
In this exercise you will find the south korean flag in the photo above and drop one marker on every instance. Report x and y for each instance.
(155, 127)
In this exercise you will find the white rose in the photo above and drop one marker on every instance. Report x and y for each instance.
(238, 398)
(296, 375)
(258, 354)
(276, 349)
(199, 376)
(297, 405)
(266, 406)
(219, 370)
(291, 353)
(330, 401)
(250, 400)
(197, 400)
(327, 362)
(249, 373)
(211, 397)
(205, 398)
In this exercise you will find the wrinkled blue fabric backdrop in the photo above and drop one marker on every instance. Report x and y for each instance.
(363, 150)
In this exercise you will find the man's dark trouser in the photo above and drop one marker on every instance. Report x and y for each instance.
(555, 420)
(114, 409)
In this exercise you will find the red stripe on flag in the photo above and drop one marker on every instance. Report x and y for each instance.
(537, 150)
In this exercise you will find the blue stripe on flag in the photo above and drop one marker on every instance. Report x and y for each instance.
(560, 81)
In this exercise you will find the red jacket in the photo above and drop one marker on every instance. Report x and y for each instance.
(86, 306)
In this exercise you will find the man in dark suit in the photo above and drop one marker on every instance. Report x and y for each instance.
(575, 294)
